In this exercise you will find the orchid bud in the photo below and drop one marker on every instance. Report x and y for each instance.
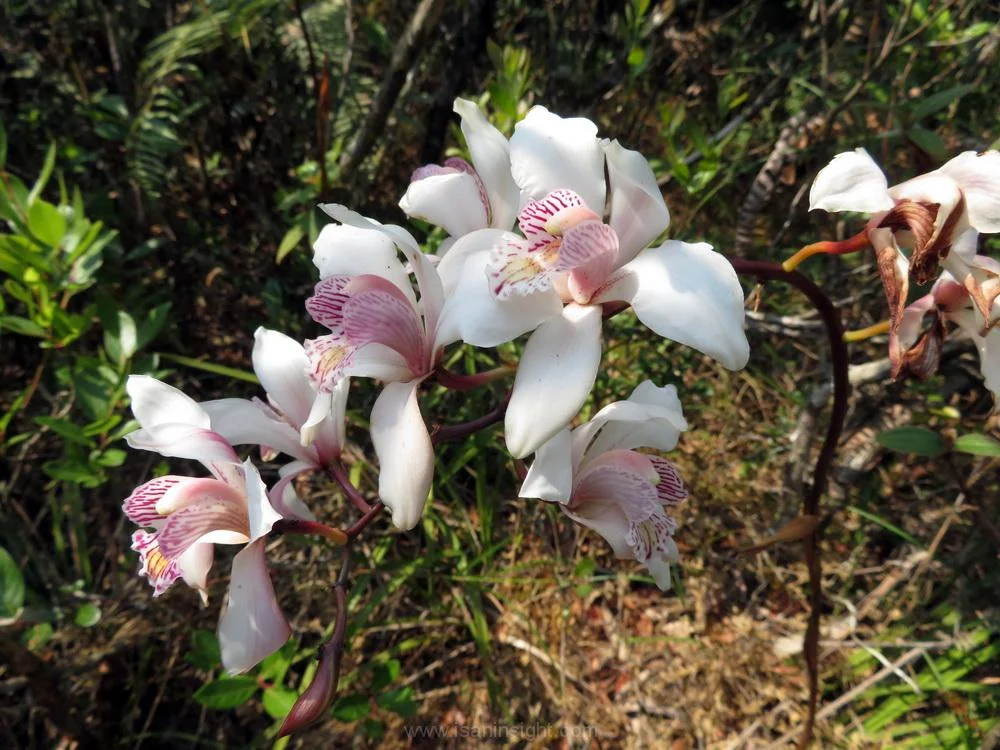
(316, 699)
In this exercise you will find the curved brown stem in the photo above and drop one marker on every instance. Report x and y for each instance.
(444, 433)
(810, 506)
(336, 471)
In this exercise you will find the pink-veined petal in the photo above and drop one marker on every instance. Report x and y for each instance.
(215, 521)
(627, 477)
(281, 363)
(490, 153)
(852, 181)
(377, 316)
(554, 214)
(522, 267)
(431, 289)
(405, 453)
(155, 403)
(978, 175)
(688, 293)
(252, 626)
(549, 152)
(551, 474)
(670, 488)
(555, 375)
(242, 422)
(638, 213)
(471, 312)
(329, 357)
(590, 252)
(140, 506)
(450, 200)
(154, 566)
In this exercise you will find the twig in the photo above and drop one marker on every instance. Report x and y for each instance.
(405, 55)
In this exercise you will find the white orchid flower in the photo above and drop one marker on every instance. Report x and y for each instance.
(297, 419)
(181, 518)
(925, 215)
(463, 197)
(568, 254)
(381, 329)
(600, 481)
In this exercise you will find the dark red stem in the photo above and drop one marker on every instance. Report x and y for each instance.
(444, 433)
(810, 506)
(336, 471)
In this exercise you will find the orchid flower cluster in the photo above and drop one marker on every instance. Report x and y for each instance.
(926, 229)
(548, 232)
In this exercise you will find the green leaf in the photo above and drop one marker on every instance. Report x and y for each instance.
(399, 702)
(936, 102)
(292, 238)
(3, 145)
(121, 337)
(110, 458)
(88, 615)
(917, 440)
(226, 692)
(43, 178)
(199, 364)
(275, 666)
(373, 729)
(37, 636)
(150, 328)
(385, 674)
(204, 653)
(928, 142)
(72, 471)
(351, 707)
(278, 701)
(978, 445)
(11, 586)
(22, 326)
(65, 429)
(46, 223)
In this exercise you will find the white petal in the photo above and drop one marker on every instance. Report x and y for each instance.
(330, 433)
(989, 348)
(651, 418)
(184, 441)
(471, 312)
(607, 519)
(195, 565)
(262, 515)
(688, 293)
(281, 364)
(554, 376)
(155, 403)
(252, 626)
(551, 475)
(405, 453)
(450, 201)
(491, 158)
(379, 362)
(978, 175)
(851, 182)
(638, 213)
(659, 567)
(241, 422)
(548, 152)
(346, 250)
